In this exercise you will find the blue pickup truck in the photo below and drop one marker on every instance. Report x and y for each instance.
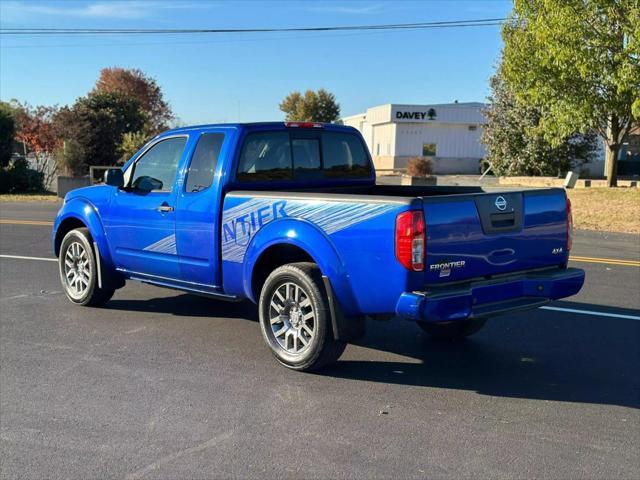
(289, 216)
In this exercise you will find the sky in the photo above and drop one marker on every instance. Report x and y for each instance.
(211, 78)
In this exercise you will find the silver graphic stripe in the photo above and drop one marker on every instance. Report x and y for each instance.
(331, 217)
(165, 245)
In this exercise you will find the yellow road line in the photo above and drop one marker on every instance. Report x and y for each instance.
(26, 222)
(606, 261)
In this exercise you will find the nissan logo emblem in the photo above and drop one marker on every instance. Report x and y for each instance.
(501, 203)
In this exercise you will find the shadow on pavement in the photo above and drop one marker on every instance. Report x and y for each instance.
(189, 306)
(540, 354)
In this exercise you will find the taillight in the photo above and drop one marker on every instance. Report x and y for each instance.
(569, 225)
(410, 240)
(303, 125)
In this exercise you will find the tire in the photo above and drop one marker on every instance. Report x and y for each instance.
(455, 330)
(295, 318)
(78, 270)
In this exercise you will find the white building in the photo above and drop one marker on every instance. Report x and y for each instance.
(449, 134)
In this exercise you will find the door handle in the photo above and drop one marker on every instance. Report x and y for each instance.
(165, 208)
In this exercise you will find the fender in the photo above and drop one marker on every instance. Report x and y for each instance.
(312, 240)
(80, 208)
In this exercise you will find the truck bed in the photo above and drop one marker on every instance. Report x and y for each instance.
(469, 233)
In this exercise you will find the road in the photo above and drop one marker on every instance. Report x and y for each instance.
(160, 384)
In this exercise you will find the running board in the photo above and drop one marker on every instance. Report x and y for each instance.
(194, 291)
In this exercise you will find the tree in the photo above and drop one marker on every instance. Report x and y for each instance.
(36, 132)
(133, 83)
(516, 146)
(98, 122)
(320, 106)
(130, 144)
(579, 61)
(7, 132)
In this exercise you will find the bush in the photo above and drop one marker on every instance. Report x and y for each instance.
(71, 158)
(19, 178)
(5, 180)
(420, 167)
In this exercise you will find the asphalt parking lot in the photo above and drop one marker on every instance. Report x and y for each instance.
(160, 384)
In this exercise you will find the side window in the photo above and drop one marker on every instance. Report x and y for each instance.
(159, 164)
(344, 155)
(265, 156)
(203, 162)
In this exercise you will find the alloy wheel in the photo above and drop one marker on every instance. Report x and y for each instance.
(77, 270)
(292, 318)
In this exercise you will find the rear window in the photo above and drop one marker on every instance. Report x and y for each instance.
(344, 156)
(266, 156)
(288, 156)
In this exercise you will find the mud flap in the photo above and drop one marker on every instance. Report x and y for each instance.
(344, 328)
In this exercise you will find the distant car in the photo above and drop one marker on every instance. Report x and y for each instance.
(288, 215)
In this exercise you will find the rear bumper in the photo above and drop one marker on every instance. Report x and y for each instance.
(485, 298)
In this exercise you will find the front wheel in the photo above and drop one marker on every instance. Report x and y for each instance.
(455, 330)
(79, 271)
(295, 318)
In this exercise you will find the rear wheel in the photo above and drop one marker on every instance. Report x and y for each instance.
(79, 271)
(295, 318)
(455, 330)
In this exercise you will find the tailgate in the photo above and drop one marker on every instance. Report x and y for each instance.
(485, 234)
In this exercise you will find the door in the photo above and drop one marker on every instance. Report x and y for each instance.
(140, 224)
(198, 207)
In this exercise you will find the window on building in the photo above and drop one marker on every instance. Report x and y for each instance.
(203, 162)
(428, 149)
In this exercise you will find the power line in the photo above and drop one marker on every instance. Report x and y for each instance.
(211, 40)
(173, 31)
(201, 40)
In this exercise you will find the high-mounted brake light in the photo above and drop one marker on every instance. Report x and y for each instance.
(569, 225)
(410, 240)
(303, 125)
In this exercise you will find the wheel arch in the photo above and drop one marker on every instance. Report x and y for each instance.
(68, 224)
(294, 240)
(79, 213)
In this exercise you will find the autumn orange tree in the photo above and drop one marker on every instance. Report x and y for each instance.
(35, 130)
(136, 85)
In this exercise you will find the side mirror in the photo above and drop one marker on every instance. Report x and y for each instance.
(147, 184)
(114, 177)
